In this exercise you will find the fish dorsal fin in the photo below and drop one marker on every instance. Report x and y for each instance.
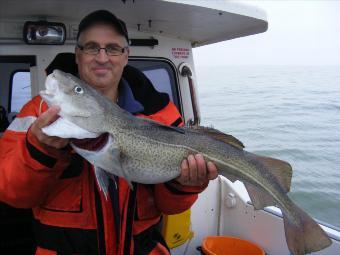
(218, 135)
(281, 170)
(160, 125)
(172, 128)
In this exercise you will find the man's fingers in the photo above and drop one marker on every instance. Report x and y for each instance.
(48, 117)
(184, 177)
(43, 120)
(195, 171)
(192, 168)
(212, 171)
(201, 168)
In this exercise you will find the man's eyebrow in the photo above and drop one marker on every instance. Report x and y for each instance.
(114, 44)
(91, 42)
(111, 44)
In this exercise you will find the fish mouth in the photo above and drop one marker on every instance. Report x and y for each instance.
(51, 85)
(92, 144)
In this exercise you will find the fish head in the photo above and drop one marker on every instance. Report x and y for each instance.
(79, 103)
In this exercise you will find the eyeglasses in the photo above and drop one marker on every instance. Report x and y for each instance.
(94, 49)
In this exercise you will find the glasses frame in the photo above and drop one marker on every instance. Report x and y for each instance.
(119, 53)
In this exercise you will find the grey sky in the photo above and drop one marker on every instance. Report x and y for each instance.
(305, 32)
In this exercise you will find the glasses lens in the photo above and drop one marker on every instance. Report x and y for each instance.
(114, 50)
(91, 48)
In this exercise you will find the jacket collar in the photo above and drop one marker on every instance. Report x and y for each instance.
(126, 100)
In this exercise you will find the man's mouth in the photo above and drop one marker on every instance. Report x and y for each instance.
(100, 70)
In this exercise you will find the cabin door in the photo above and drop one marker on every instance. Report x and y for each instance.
(15, 224)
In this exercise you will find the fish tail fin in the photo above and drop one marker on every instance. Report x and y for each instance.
(303, 234)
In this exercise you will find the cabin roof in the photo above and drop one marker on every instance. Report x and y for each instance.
(200, 22)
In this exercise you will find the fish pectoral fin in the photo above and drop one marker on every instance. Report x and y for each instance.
(112, 162)
(281, 170)
(103, 180)
(259, 197)
(107, 159)
(125, 175)
(220, 136)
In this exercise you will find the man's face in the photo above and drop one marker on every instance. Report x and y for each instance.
(101, 71)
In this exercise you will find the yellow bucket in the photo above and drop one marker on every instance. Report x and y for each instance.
(226, 245)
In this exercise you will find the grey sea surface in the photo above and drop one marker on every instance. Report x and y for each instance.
(286, 112)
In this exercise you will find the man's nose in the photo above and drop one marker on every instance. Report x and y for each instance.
(102, 57)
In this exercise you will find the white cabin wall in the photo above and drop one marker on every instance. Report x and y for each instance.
(13, 45)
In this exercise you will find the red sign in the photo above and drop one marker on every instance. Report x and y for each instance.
(180, 52)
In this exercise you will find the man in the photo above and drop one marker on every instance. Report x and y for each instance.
(41, 172)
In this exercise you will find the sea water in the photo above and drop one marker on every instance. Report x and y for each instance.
(286, 112)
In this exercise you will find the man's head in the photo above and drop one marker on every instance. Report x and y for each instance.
(102, 68)
(106, 17)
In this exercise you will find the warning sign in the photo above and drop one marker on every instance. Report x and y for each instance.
(180, 52)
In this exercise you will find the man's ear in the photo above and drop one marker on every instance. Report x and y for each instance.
(76, 51)
(127, 56)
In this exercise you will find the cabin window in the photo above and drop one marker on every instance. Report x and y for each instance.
(161, 80)
(15, 82)
(20, 90)
(162, 74)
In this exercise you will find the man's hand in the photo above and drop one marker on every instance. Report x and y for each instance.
(196, 172)
(46, 119)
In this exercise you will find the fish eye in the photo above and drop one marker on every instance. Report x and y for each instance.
(78, 90)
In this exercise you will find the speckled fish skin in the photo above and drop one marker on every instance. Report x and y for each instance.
(152, 153)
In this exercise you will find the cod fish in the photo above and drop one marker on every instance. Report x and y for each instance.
(143, 151)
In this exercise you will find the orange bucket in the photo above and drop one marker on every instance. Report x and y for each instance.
(227, 245)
